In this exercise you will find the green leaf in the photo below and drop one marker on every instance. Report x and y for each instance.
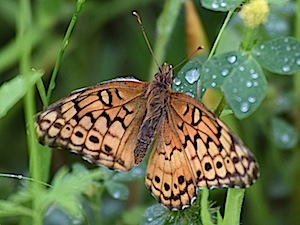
(284, 135)
(135, 173)
(133, 216)
(187, 78)
(245, 88)
(281, 55)
(67, 188)
(155, 215)
(12, 91)
(219, 67)
(117, 190)
(8, 208)
(221, 5)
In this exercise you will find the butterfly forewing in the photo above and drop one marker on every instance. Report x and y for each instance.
(99, 123)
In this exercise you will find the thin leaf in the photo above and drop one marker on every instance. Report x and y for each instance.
(12, 91)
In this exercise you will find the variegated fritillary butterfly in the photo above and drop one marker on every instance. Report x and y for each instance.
(113, 124)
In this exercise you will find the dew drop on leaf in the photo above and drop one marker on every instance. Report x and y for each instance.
(248, 84)
(192, 76)
(214, 5)
(251, 99)
(232, 59)
(177, 81)
(254, 75)
(286, 68)
(225, 72)
(244, 107)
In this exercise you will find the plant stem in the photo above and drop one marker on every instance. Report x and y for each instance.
(205, 214)
(233, 206)
(25, 44)
(79, 6)
(216, 43)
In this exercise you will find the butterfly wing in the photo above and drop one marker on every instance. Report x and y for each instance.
(169, 174)
(196, 149)
(99, 122)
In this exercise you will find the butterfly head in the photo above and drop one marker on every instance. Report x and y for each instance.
(165, 74)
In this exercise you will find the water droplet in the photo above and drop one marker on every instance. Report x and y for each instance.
(225, 72)
(215, 5)
(286, 40)
(150, 219)
(252, 71)
(223, 4)
(232, 59)
(288, 48)
(213, 84)
(251, 99)
(192, 76)
(241, 68)
(298, 62)
(248, 83)
(206, 70)
(255, 83)
(262, 47)
(254, 75)
(285, 138)
(238, 99)
(190, 94)
(286, 68)
(117, 194)
(177, 81)
(244, 107)
(234, 90)
(214, 76)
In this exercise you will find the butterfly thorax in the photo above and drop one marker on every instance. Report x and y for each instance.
(158, 96)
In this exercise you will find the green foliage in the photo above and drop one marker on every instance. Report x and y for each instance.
(280, 55)
(84, 44)
(20, 84)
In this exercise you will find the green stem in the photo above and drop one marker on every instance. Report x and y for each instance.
(233, 206)
(216, 43)
(205, 214)
(25, 44)
(220, 107)
(79, 6)
(222, 103)
(249, 38)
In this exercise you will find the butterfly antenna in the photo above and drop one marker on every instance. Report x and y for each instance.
(189, 56)
(135, 13)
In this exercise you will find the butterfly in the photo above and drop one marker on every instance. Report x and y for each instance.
(115, 123)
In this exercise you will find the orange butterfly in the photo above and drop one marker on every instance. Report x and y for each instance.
(113, 124)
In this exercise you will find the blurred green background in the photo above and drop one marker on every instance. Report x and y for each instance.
(107, 43)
